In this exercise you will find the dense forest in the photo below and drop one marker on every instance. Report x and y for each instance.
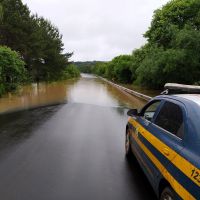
(86, 67)
(31, 48)
(171, 53)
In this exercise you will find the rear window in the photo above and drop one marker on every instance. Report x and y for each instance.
(170, 118)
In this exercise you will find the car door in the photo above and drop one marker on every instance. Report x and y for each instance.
(162, 137)
(169, 129)
(141, 123)
(160, 130)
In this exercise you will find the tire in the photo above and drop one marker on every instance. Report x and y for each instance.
(168, 194)
(128, 150)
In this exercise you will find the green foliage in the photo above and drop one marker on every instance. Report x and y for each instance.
(1, 13)
(173, 17)
(119, 69)
(16, 27)
(70, 72)
(138, 56)
(172, 51)
(99, 68)
(85, 67)
(12, 71)
(174, 40)
(170, 55)
(49, 61)
(36, 39)
(158, 67)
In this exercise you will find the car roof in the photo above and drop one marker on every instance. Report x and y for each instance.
(192, 99)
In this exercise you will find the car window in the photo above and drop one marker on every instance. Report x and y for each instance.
(149, 112)
(170, 118)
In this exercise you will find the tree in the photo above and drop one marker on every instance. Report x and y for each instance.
(70, 72)
(180, 64)
(99, 68)
(171, 18)
(173, 43)
(160, 66)
(15, 28)
(47, 61)
(138, 55)
(171, 53)
(85, 67)
(121, 67)
(1, 13)
(117, 70)
(36, 39)
(12, 70)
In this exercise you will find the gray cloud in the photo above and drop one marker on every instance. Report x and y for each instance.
(98, 29)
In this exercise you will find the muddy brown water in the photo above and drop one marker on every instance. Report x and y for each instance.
(87, 89)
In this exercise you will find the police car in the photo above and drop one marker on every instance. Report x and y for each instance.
(164, 136)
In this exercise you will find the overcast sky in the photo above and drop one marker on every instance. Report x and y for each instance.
(98, 29)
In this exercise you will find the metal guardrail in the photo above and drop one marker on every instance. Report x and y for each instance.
(132, 92)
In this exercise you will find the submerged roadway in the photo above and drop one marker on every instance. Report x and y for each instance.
(71, 151)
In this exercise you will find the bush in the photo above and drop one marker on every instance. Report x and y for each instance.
(119, 69)
(12, 70)
(70, 71)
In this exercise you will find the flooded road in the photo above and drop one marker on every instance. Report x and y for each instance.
(87, 89)
(71, 149)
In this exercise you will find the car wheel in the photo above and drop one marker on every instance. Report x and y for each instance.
(167, 194)
(128, 145)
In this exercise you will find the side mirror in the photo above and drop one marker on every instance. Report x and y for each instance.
(132, 112)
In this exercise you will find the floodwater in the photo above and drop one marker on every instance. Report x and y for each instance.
(88, 89)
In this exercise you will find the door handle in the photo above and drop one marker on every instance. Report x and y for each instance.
(166, 151)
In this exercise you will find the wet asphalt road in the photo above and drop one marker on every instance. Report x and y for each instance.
(72, 151)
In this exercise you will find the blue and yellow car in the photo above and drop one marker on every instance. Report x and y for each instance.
(164, 136)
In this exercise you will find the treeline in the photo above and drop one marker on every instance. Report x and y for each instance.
(36, 44)
(86, 67)
(171, 53)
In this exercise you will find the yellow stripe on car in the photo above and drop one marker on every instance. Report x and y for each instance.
(181, 163)
(179, 189)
